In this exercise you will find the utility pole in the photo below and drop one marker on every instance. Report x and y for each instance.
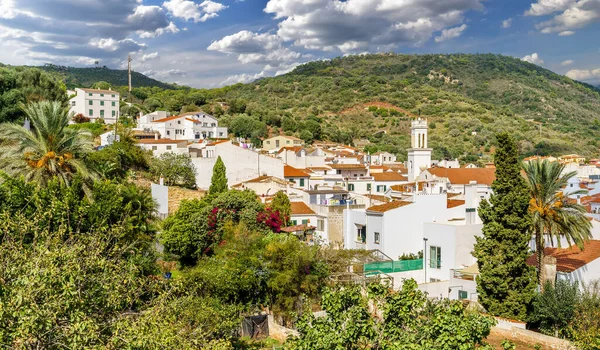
(129, 71)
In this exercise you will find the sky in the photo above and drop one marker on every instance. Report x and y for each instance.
(211, 43)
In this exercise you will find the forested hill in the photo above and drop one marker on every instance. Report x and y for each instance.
(86, 77)
(467, 98)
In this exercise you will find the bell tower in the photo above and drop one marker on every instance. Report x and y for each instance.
(419, 156)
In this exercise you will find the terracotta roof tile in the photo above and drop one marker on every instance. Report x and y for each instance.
(379, 198)
(572, 258)
(347, 166)
(294, 149)
(296, 228)
(453, 203)
(388, 206)
(300, 208)
(160, 141)
(390, 176)
(407, 187)
(462, 176)
(289, 171)
(167, 119)
(216, 142)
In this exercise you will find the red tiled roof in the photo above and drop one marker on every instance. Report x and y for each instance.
(388, 206)
(294, 149)
(347, 166)
(390, 176)
(296, 228)
(378, 198)
(300, 208)
(290, 171)
(98, 91)
(407, 187)
(453, 203)
(167, 119)
(216, 142)
(462, 176)
(572, 258)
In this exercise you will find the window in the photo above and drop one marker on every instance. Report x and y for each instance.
(301, 182)
(276, 143)
(368, 187)
(320, 225)
(268, 142)
(91, 103)
(433, 280)
(305, 222)
(435, 257)
(350, 187)
(101, 95)
(154, 148)
(101, 103)
(361, 234)
(73, 103)
(220, 134)
(179, 122)
(90, 94)
(168, 148)
(288, 142)
(376, 237)
(381, 188)
(114, 113)
(112, 96)
(462, 294)
(101, 113)
(293, 222)
(168, 132)
(113, 103)
(91, 113)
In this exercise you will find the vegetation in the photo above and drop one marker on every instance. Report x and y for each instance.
(281, 204)
(175, 169)
(554, 308)
(506, 284)
(49, 150)
(218, 182)
(554, 216)
(385, 319)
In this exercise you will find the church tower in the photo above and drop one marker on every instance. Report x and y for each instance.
(419, 156)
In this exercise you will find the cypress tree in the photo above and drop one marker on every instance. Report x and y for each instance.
(218, 182)
(281, 203)
(506, 284)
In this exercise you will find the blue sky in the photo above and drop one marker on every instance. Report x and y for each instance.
(210, 43)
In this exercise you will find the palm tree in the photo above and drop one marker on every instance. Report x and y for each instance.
(50, 149)
(554, 215)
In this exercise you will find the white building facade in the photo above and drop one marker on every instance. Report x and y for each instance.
(419, 156)
(95, 104)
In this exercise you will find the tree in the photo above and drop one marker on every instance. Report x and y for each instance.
(554, 307)
(281, 204)
(554, 216)
(176, 169)
(506, 284)
(102, 85)
(381, 318)
(218, 182)
(49, 150)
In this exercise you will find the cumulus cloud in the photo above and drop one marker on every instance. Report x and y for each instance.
(259, 48)
(189, 10)
(568, 15)
(450, 33)
(81, 31)
(584, 74)
(149, 57)
(566, 63)
(533, 58)
(507, 23)
(331, 25)
(242, 78)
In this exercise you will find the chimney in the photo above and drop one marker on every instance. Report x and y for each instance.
(161, 181)
(156, 135)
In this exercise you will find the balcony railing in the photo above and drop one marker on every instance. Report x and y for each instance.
(394, 266)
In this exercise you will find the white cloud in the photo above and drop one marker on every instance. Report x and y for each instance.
(584, 74)
(242, 78)
(450, 33)
(566, 33)
(574, 14)
(171, 28)
(566, 63)
(149, 57)
(352, 26)
(507, 23)
(546, 7)
(533, 58)
(189, 10)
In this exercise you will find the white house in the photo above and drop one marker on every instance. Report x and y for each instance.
(302, 214)
(265, 186)
(381, 158)
(187, 126)
(160, 146)
(95, 104)
(573, 264)
(454, 180)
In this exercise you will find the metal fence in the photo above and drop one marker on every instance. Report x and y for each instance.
(393, 266)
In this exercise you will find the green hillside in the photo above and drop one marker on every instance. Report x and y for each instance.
(467, 98)
(86, 77)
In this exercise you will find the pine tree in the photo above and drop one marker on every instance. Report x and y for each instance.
(281, 203)
(218, 182)
(506, 284)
